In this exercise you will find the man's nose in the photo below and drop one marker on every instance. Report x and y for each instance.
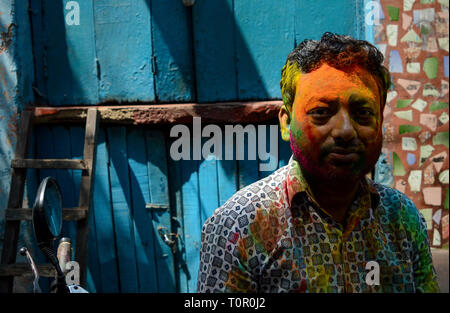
(343, 128)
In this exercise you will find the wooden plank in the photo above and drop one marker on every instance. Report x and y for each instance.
(104, 222)
(176, 206)
(192, 222)
(123, 223)
(172, 51)
(123, 47)
(93, 280)
(48, 163)
(208, 189)
(248, 112)
(227, 176)
(39, 41)
(321, 17)
(143, 224)
(214, 48)
(68, 214)
(86, 191)
(15, 199)
(22, 269)
(69, 53)
(264, 38)
(159, 195)
(208, 186)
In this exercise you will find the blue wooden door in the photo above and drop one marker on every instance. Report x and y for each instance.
(159, 51)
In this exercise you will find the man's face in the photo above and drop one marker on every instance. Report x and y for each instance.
(335, 125)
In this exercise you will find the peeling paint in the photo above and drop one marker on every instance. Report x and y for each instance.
(6, 38)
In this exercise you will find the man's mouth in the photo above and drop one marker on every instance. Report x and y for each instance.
(342, 156)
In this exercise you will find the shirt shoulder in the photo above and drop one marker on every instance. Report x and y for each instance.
(261, 196)
(397, 206)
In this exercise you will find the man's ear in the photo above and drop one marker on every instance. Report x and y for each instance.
(285, 121)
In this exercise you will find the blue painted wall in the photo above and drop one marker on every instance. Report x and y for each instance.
(152, 51)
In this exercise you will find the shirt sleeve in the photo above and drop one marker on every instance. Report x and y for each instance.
(222, 269)
(425, 278)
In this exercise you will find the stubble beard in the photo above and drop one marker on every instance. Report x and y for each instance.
(329, 174)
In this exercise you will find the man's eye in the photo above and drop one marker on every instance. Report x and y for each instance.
(365, 113)
(320, 112)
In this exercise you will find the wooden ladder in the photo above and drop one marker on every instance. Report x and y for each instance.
(15, 213)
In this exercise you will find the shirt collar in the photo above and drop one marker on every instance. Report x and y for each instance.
(296, 183)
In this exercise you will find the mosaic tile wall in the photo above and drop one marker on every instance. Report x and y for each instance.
(413, 36)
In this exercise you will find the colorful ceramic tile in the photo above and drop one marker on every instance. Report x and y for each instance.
(444, 226)
(428, 175)
(443, 118)
(392, 34)
(419, 105)
(393, 12)
(429, 120)
(443, 3)
(443, 177)
(436, 238)
(445, 60)
(432, 195)
(410, 36)
(424, 15)
(415, 180)
(428, 216)
(397, 165)
(441, 138)
(424, 136)
(438, 105)
(437, 216)
(400, 185)
(413, 67)
(403, 103)
(432, 45)
(411, 158)
(395, 62)
(438, 160)
(409, 144)
(408, 4)
(404, 129)
(444, 88)
(425, 152)
(391, 95)
(406, 115)
(430, 90)
(430, 67)
(406, 21)
(443, 43)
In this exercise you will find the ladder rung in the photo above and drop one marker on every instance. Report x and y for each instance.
(68, 214)
(49, 163)
(19, 269)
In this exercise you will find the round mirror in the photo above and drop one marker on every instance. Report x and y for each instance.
(47, 211)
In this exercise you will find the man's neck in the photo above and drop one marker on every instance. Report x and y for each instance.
(334, 197)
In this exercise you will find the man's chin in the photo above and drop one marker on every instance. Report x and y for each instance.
(332, 172)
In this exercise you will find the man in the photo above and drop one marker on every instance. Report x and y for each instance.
(318, 224)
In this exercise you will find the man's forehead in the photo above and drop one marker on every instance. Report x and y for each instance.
(329, 81)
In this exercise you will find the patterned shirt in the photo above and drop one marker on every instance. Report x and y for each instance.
(271, 236)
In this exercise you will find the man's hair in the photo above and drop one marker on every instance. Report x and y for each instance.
(338, 51)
